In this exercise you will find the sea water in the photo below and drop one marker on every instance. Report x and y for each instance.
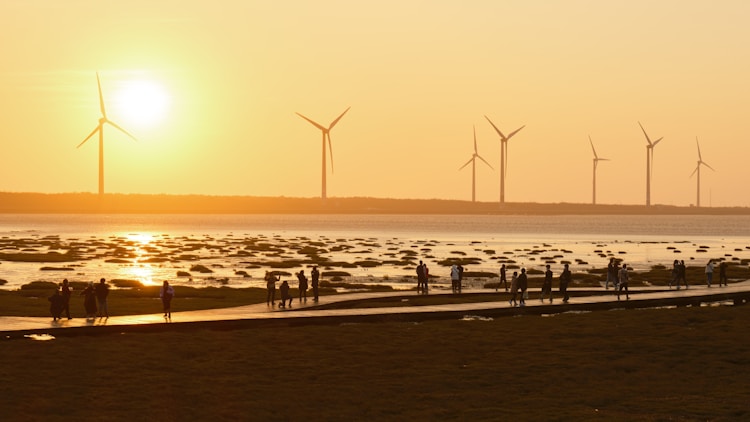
(528, 241)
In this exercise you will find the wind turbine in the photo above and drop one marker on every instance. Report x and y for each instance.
(649, 163)
(698, 170)
(473, 161)
(503, 155)
(596, 162)
(100, 128)
(326, 134)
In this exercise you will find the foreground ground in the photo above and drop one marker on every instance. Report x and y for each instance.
(680, 364)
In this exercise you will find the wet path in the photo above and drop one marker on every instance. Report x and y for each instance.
(299, 314)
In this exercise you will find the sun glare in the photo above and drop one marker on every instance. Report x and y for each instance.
(142, 102)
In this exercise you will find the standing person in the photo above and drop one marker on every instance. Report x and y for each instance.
(523, 284)
(513, 289)
(284, 289)
(454, 278)
(102, 291)
(315, 275)
(420, 277)
(270, 289)
(56, 305)
(616, 275)
(425, 288)
(460, 277)
(66, 293)
(709, 272)
(722, 273)
(610, 274)
(623, 282)
(89, 300)
(166, 294)
(503, 279)
(565, 278)
(547, 285)
(675, 274)
(302, 286)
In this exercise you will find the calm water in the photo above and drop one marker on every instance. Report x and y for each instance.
(642, 241)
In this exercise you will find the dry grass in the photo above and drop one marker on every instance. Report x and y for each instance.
(682, 364)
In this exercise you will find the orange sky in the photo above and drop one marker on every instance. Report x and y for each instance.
(417, 75)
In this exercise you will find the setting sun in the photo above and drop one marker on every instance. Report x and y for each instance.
(142, 102)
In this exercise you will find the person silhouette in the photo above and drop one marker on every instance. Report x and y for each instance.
(547, 285)
(302, 287)
(523, 284)
(513, 289)
(565, 278)
(66, 293)
(56, 305)
(270, 288)
(166, 294)
(722, 273)
(89, 300)
(102, 291)
(315, 275)
(503, 279)
(623, 282)
(284, 289)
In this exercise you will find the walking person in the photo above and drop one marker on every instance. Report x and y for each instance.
(611, 274)
(270, 289)
(709, 272)
(547, 285)
(102, 291)
(166, 293)
(523, 285)
(89, 300)
(503, 279)
(722, 273)
(683, 277)
(302, 286)
(315, 275)
(565, 278)
(623, 282)
(66, 293)
(513, 289)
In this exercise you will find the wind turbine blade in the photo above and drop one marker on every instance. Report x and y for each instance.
(699, 149)
(101, 97)
(475, 140)
(596, 157)
(121, 129)
(656, 142)
(696, 169)
(496, 129)
(644, 133)
(313, 123)
(330, 150)
(603, 159)
(467, 163)
(510, 135)
(485, 162)
(338, 118)
(706, 164)
(96, 129)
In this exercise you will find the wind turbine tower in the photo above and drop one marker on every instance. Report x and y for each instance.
(649, 162)
(698, 171)
(326, 135)
(596, 162)
(473, 162)
(100, 128)
(503, 155)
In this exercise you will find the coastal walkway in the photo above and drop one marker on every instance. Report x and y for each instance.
(261, 315)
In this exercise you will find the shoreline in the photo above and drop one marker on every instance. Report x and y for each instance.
(89, 203)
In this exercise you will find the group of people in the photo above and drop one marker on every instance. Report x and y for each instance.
(709, 273)
(618, 277)
(519, 285)
(423, 277)
(302, 287)
(95, 300)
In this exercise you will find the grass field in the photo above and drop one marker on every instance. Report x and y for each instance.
(680, 364)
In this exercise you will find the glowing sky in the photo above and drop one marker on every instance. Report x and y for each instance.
(417, 75)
